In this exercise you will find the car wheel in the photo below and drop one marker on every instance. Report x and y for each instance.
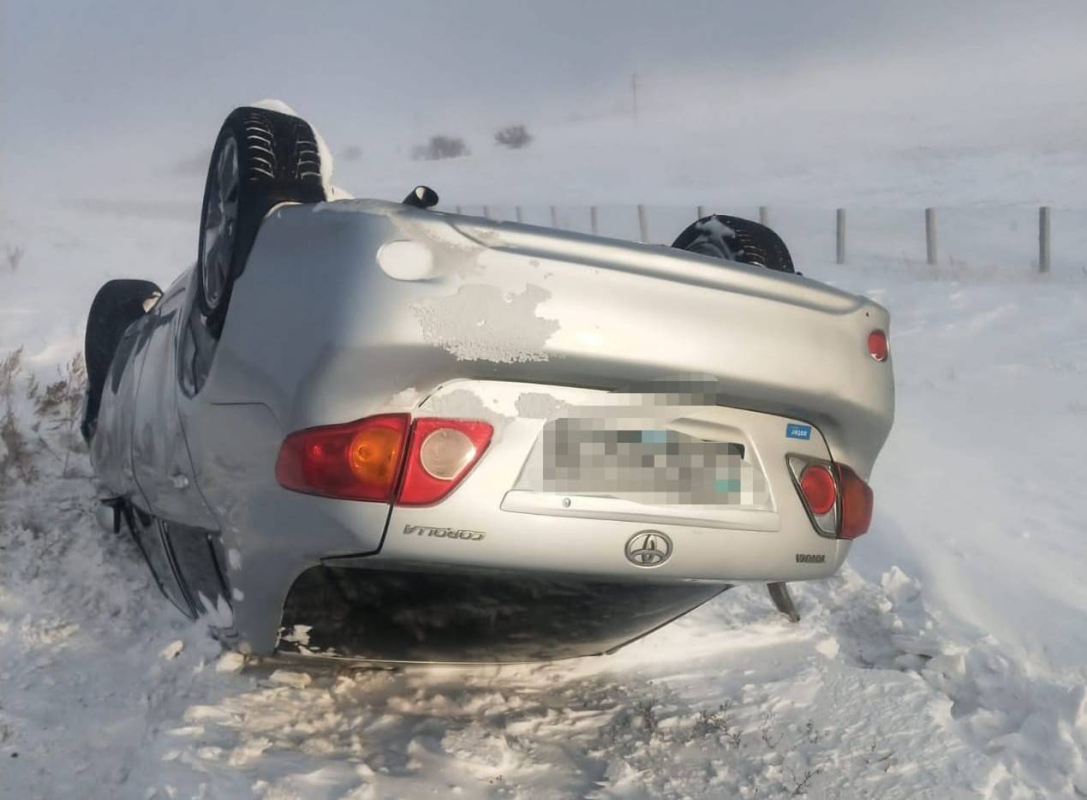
(117, 305)
(736, 239)
(261, 158)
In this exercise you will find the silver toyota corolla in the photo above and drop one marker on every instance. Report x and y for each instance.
(374, 430)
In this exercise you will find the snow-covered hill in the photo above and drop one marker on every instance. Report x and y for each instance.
(946, 661)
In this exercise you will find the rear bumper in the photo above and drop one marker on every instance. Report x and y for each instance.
(522, 521)
(412, 612)
(283, 549)
(504, 570)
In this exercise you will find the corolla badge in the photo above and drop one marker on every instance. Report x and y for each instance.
(648, 549)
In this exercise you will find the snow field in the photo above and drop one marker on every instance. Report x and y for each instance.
(947, 660)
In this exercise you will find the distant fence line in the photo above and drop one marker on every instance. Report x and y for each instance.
(1043, 264)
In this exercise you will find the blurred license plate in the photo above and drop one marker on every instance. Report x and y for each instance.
(656, 466)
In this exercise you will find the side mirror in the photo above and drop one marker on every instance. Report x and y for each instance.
(109, 513)
(422, 197)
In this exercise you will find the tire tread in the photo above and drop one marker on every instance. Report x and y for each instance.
(279, 161)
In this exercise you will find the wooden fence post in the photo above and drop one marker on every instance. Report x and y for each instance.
(841, 236)
(764, 215)
(702, 212)
(593, 221)
(643, 225)
(519, 213)
(930, 236)
(554, 217)
(486, 212)
(1044, 252)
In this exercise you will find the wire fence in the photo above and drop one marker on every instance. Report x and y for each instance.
(989, 240)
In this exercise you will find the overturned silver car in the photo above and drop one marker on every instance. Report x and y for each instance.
(375, 430)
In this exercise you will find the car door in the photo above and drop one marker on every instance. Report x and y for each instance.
(160, 456)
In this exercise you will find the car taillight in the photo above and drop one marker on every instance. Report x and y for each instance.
(356, 461)
(440, 454)
(369, 458)
(857, 503)
(838, 501)
(819, 490)
(877, 345)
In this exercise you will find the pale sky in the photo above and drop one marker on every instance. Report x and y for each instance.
(94, 91)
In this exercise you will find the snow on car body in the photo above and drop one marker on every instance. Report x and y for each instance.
(631, 429)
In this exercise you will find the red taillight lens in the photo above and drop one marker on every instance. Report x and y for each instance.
(819, 490)
(441, 453)
(857, 503)
(877, 345)
(837, 499)
(368, 459)
(356, 461)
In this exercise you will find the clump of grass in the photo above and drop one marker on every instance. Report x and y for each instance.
(718, 723)
(63, 396)
(56, 407)
(648, 717)
(15, 455)
(439, 148)
(766, 733)
(514, 137)
(60, 402)
(801, 784)
(14, 257)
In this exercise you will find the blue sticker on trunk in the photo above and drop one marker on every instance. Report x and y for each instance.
(794, 431)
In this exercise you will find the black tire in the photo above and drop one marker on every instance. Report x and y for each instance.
(117, 305)
(261, 158)
(736, 239)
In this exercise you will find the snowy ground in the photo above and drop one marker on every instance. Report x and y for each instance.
(948, 660)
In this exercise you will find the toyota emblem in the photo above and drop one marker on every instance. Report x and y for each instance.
(648, 549)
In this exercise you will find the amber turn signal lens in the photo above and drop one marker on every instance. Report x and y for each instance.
(374, 455)
(356, 461)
